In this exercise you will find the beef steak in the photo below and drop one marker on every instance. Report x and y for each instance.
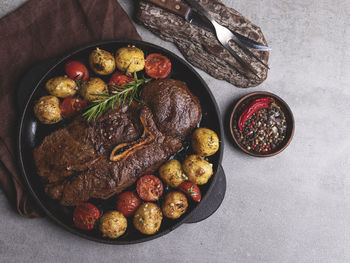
(176, 110)
(74, 148)
(77, 161)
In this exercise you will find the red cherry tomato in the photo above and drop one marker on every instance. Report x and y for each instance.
(191, 190)
(149, 188)
(71, 106)
(76, 70)
(127, 203)
(157, 66)
(118, 79)
(85, 216)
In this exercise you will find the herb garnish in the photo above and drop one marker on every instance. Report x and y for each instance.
(79, 81)
(120, 94)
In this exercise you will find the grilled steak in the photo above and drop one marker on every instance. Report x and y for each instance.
(100, 159)
(176, 110)
(104, 178)
(76, 147)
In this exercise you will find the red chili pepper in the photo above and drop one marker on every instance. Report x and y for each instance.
(255, 106)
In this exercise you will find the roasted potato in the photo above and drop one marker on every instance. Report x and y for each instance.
(93, 86)
(102, 62)
(148, 218)
(205, 142)
(175, 205)
(197, 169)
(113, 224)
(61, 87)
(47, 109)
(130, 59)
(172, 173)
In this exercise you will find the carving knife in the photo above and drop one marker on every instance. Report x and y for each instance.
(183, 10)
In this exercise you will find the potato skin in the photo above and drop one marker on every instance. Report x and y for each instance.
(130, 59)
(172, 174)
(102, 62)
(47, 109)
(197, 169)
(113, 224)
(61, 87)
(205, 142)
(148, 218)
(175, 205)
(93, 86)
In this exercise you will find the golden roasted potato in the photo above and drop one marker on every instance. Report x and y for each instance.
(113, 224)
(61, 87)
(175, 205)
(197, 169)
(47, 109)
(148, 218)
(102, 62)
(130, 59)
(172, 173)
(205, 142)
(93, 86)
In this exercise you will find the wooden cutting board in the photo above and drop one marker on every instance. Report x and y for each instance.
(201, 48)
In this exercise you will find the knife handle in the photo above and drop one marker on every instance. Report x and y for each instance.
(175, 6)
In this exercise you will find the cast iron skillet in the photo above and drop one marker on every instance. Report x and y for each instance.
(31, 133)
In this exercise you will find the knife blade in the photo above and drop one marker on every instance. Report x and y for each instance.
(183, 10)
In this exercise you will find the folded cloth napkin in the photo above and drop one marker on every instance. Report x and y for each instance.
(201, 47)
(39, 30)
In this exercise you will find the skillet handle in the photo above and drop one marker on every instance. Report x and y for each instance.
(213, 201)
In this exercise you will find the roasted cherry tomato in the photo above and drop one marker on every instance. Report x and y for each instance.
(118, 79)
(71, 106)
(192, 190)
(76, 70)
(157, 66)
(85, 216)
(149, 188)
(127, 203)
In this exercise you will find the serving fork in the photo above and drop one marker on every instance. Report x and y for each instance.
(224, 35)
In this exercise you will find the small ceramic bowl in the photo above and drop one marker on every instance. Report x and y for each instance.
(241, 105)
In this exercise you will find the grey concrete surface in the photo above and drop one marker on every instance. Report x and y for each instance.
(294, 207)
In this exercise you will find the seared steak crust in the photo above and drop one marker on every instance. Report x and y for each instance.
(176, 110)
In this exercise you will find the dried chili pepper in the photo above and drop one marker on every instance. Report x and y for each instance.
(254, 106)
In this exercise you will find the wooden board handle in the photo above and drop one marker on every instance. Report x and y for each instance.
(175, 6)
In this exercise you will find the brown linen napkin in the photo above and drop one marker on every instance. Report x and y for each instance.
(39, 30)
(201, 47)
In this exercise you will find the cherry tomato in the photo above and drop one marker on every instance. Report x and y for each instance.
(149, 188)
(191, 190)
(85, 216)
(127, 203)
(157, 66)
(118, 79)
(76, 70)
(71, 106)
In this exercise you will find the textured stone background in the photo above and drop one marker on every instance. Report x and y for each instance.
(294, 207)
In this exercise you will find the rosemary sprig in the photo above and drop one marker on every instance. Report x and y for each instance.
(119, 96)
(79, 82)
